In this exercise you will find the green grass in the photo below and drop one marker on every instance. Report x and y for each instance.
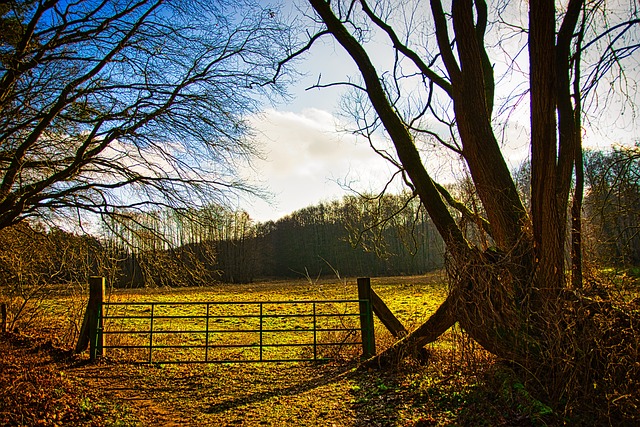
(455, 388)
(412, 299)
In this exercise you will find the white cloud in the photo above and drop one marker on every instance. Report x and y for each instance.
(304, 159)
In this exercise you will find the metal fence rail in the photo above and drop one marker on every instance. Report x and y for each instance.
(223, 332)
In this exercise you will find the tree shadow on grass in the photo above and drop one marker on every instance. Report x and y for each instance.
(370, 397)
(327, 376)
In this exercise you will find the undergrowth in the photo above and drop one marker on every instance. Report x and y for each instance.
(37, 390)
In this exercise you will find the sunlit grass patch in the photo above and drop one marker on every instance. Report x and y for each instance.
(217, 331)
(263, 321)
(412, 299)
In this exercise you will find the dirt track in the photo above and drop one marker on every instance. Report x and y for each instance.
(50, 387)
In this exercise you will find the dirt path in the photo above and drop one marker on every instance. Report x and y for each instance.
(128, 391)
(267, 394)
(41, 385)
(44, 386)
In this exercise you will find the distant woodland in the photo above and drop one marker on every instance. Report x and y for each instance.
(360, 235)
(354, 236)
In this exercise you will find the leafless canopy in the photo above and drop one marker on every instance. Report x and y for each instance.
(113, 105)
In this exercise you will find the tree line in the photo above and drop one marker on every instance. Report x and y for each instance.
(359, 235)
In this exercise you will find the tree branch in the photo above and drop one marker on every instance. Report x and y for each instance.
(403, 141)
(424, 69)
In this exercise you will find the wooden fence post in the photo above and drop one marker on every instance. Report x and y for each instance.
(387, 317)
(366, 318)
(3, 309)
(91, 331)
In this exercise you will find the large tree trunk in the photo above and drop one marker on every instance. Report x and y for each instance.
(513, 297)
(489, 297)
(483, 301)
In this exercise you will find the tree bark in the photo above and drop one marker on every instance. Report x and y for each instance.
(548, 219)
(481, 150)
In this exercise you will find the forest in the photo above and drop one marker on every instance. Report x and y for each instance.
(360, 235)
(128, 131)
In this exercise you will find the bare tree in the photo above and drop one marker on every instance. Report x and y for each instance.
(32, 259)
(109, 106)
(440, 85)
(612, 204)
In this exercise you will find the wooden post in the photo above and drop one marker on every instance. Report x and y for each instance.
(91, 331)
(387, 317)
(366, 318)
(3, 309)
(97, 290)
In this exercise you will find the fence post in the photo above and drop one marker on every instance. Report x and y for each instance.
(91, 331)
(366, 318)
(3, 309)
(96, 298)
(387, 317)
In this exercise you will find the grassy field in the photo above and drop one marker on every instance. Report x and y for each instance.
(457, 387)
(266, 321)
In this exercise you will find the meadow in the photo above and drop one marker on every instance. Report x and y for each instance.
(456, 387)
(284, 321)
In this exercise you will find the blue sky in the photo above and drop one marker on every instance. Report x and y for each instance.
(306, 156)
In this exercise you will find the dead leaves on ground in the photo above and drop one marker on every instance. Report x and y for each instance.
(36, 390)
(43, 386)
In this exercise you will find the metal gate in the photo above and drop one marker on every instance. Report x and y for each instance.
(223, 332)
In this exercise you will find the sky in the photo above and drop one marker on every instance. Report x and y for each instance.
(307, 160)
(306, 157)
